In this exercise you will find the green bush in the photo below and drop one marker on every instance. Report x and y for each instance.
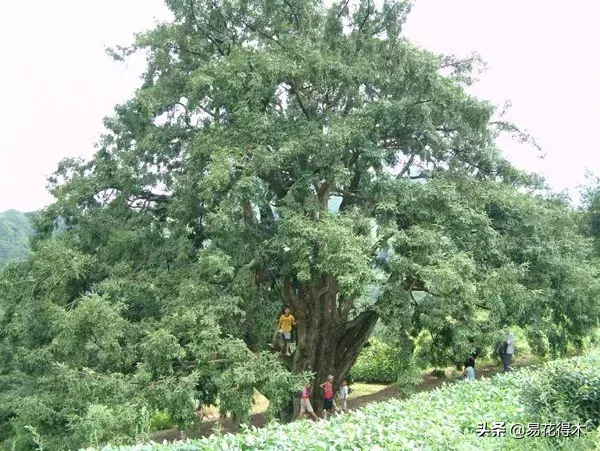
(442, 419)
(102, 424)
(161, 420)
(566, 389)
(378, 363)
(538, 342)
(409, 379)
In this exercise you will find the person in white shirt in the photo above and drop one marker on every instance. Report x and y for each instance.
(469, 374)
(510, 351)
(344, 395)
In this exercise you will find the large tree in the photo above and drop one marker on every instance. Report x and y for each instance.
(278, 152)
(255, 117)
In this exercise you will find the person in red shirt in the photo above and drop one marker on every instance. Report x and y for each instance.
(305, 406)
(327, 387)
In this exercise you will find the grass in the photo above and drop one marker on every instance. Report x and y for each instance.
(360, 389)
(260, 405)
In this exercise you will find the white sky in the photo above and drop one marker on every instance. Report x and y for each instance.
(56, 82)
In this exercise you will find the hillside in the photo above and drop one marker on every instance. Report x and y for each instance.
(15, 231)
(458, 416)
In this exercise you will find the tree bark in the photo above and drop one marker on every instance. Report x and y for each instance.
(327, 341)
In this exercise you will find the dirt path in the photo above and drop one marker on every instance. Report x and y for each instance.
(430, 382)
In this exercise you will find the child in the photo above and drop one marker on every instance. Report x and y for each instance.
(344, 395)
(277, 333)
(327, 387)
(286, 321)
(305, 406)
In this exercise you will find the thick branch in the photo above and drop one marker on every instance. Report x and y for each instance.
(343, 8)
(412, 297)
(216, 42)
(263, 34)
(354, 183)
(152, 197)
(355, 196)
(408, 164)
(329, 104)
(294, 14)
(275, 181)
(288, 292)
(344, 308)
(381, 239)
(356, 334)
(294, 92)
(438, 295)
(368, 13)
(323, 193)
(420, 102)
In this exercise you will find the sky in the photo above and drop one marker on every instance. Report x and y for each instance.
(57, 83)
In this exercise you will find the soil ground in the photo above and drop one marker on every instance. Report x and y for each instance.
(363, 395)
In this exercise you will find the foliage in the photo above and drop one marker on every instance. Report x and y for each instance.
(590, 212)
(85, 365)
(383, 362)
(443, 419)
(379, 362)
(409, 379)
(15, 231)
(160, 421)
(538, 342)
(277, 152)
(567, 389)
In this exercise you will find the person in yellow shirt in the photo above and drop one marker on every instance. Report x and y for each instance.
(286, 322)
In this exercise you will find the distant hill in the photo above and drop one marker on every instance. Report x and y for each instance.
(15, 231)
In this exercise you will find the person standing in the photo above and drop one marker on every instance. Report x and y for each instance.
(475, 351)
(344, 395)
(469, 362)
(509, 351)
(327, 387)
(305, 405)
(469, 374)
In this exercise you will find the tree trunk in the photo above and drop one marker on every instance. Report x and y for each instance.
(328, 342)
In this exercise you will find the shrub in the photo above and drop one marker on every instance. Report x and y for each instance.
(409, 379)
(102, 424)
(378, 363)
(442, 419)
(538, 342)
(161, 420)
(566, 389)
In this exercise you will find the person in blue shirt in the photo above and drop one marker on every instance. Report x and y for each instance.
(469, 374)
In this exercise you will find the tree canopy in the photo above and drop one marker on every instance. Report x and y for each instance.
(277, 152)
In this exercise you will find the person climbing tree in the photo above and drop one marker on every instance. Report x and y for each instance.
(277, 340)
(286, 322)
